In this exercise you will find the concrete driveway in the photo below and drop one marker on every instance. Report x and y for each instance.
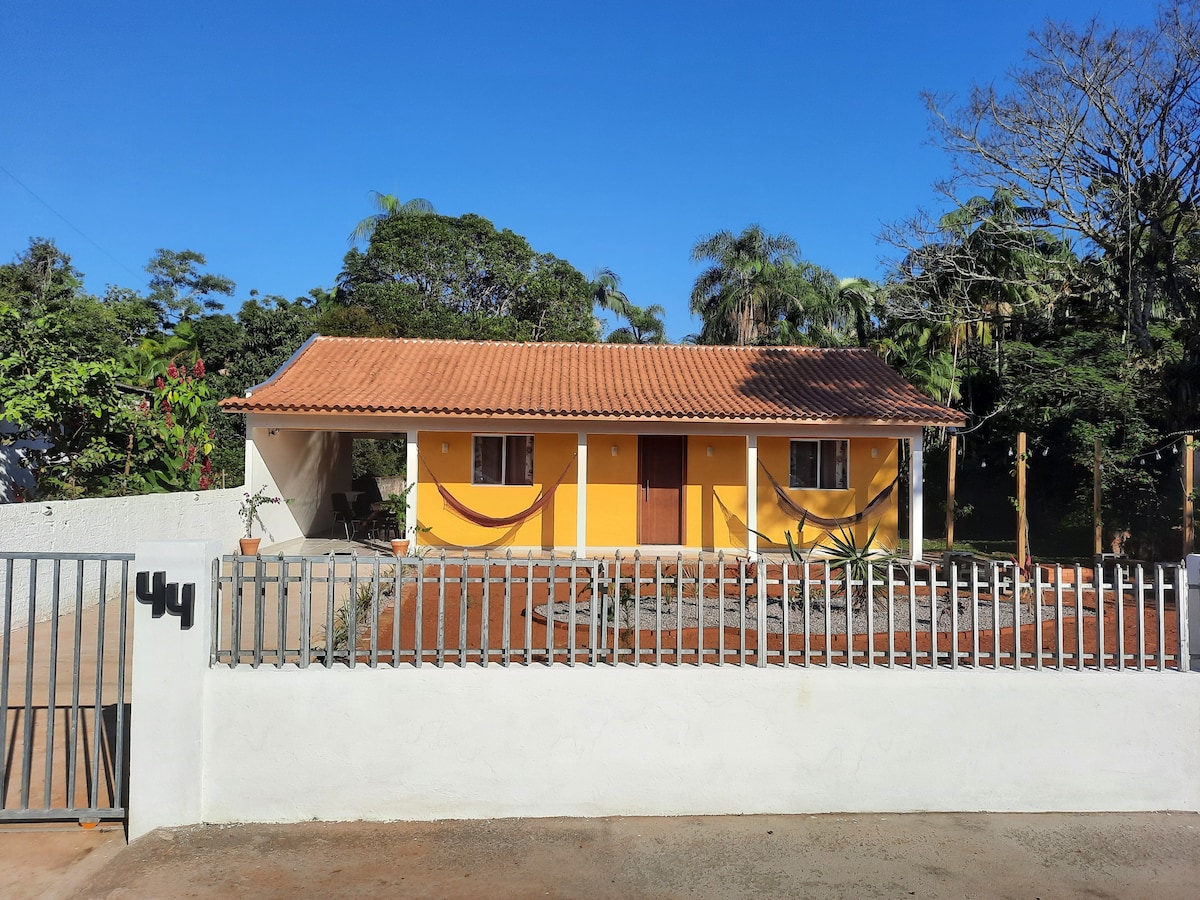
(955, 856)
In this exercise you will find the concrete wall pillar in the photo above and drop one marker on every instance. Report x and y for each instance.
(1189, 625)
(581, 468)
(412, 461)
(916, 496)
(170, 663)
(752, 493)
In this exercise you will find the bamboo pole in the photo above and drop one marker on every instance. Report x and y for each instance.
(950, 479)
(1022, 512)
(1097, 531)
(1189, 487)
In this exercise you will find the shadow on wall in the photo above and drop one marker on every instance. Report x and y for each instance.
(14, 476)
(739, 532)
(307, 467)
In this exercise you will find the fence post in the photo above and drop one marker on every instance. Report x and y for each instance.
(1189, 619)
(170, 664)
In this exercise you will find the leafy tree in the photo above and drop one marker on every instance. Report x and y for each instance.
(438, 276)
(179, 290)
(1098, 130)
(271, 330)
(219, 340)
(975, 278)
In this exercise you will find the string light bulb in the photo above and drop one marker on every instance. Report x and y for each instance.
(1045, 451)
(1175, 449)
(983, 465)
(1157, 454)
(1010, 453)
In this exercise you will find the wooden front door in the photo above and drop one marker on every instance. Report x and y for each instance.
(660, 505)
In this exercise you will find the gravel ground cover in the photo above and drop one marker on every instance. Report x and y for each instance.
(686, 613)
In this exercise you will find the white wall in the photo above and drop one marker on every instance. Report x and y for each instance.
(106, 525)
(303, 467)
(116, 524)
(290, 745)
(165, 735)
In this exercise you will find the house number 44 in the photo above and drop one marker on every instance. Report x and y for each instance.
(167, 598)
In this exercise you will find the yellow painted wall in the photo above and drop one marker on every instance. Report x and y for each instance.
(715, 504)
(612, 494)
(714, 493)
(554, 526)
(868, 476)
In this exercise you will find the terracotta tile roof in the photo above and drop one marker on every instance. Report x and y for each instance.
(426, 378)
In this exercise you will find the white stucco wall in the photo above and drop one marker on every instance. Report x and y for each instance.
(116, 524)
(290, 745)
(293, 745)
(302, 467)
(106, 525)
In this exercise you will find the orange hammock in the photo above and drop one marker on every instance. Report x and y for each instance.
(800, 513)
(478, 518)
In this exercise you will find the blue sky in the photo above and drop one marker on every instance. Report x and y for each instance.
(610, 134)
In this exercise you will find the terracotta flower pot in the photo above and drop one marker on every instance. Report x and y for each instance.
(249, 546)
(400, 548)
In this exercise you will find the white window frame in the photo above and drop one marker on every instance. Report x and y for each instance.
(819, 442)
(503, 459)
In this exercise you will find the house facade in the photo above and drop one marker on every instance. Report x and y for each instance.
(596, 447)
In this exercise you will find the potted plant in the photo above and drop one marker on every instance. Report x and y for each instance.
(396, 506)
(248, 512)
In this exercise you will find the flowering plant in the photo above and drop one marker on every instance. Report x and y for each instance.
(178, 415)
(250, 504)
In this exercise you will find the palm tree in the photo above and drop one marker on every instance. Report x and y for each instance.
(645, 326)
(743, 293)
(645, 323)
(607, 293)
(389, 206)
(825, 311)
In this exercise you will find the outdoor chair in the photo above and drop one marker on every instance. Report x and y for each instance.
(379, 521)
(343, 514)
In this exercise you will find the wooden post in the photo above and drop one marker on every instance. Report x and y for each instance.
(950, 477)
(1097, 532)
(1022, 512)
(1189, 486)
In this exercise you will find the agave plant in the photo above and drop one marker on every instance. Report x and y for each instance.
(363, 601)
(853, 560)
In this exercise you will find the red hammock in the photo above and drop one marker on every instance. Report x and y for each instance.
(799, 512)
(478, 518)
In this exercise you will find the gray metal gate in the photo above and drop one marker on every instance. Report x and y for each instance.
(64, 707)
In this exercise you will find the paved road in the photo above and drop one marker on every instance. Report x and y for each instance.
(954, 856)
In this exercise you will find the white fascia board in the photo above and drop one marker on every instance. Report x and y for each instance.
(370, 424)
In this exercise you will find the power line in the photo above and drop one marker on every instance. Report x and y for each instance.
(70, 224)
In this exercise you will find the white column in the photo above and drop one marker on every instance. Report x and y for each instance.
(751, 492)
(581, 495)
(170, 665)
(916, 496)
(1189, 625)
(411, 463)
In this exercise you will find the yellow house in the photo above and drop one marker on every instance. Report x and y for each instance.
(598, 447)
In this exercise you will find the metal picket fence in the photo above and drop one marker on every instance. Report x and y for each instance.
(483, 609)
(64, 705)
